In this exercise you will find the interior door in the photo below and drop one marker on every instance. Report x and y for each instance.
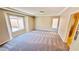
(73, 26)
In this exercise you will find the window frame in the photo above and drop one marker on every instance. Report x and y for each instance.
(56, 30)
(8, 14)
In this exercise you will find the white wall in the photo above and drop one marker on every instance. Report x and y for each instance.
(63, 26)
(43, 22)
(30, 23)
(4, 35)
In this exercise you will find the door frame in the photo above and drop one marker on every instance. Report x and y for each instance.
(73, 23)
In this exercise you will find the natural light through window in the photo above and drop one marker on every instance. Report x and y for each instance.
(16, 22)
(55, 23)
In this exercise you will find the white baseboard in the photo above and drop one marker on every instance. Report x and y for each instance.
(61, 37)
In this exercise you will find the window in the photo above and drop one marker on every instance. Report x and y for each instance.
(17, 23)
(55, 23)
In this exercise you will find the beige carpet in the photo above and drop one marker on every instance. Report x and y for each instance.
(36, 41)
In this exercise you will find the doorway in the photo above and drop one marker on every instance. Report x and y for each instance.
(72, 28)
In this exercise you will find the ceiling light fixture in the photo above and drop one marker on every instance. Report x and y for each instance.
(41, 12)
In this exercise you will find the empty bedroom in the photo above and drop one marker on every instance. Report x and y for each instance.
(39, 28)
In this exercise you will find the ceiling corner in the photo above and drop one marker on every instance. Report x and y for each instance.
(62, 11)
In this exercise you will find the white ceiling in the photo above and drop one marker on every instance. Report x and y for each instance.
(48, 11)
